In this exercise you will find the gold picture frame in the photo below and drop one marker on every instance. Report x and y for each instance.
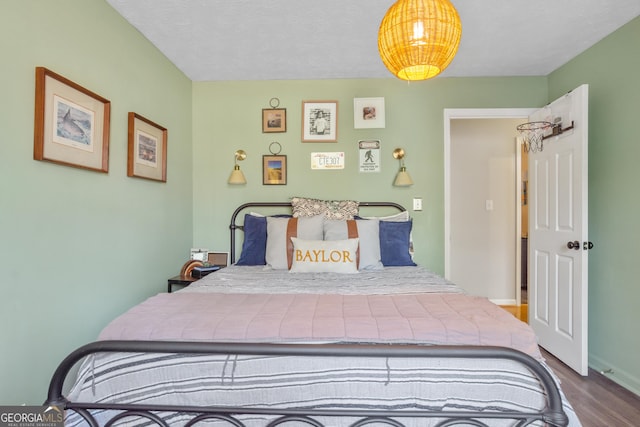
(274, 120)
(274, 169)
(71, 123)
(319, 121)
(147, 149)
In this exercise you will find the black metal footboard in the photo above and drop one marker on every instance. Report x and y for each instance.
(551, 414)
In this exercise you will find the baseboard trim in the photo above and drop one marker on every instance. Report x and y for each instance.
(503, 301)
(617, 375)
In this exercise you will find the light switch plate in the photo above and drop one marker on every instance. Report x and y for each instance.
(488, 205)
(417, 204)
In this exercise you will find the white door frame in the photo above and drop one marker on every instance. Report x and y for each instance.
(479, 113)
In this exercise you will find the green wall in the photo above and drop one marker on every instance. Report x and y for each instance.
(227, 116)
(78, 247)
(611, 70)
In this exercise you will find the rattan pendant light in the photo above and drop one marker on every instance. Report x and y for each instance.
(419, 38)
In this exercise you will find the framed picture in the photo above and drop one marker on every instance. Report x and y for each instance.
(199, 254)
(71, 123)
(147, 149)
(368, 113)
(218, 258)
(319, 121)
(274, 170)
(274, 120)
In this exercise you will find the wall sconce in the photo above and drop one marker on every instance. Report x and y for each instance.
(402, 178)
(237, 177)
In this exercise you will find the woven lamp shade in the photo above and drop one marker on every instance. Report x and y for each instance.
(418, 39)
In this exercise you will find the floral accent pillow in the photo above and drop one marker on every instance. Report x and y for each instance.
(331, 209)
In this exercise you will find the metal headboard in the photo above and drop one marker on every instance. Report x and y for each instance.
(234, 226)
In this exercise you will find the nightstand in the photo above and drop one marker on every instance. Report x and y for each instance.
(179, 280)
(221, 259)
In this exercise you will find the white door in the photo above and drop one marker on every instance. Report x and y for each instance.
(558, 232)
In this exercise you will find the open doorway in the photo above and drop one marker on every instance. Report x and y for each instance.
(484, 255)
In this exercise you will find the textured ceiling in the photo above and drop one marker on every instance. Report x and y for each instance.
(213, 40)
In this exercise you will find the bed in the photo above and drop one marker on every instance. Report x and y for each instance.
(278, 339)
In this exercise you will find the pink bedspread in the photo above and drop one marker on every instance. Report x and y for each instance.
(417, 318)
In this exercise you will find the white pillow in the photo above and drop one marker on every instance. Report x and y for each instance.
(324, 256)
(276, 252)
(369, 235)
(399, 217)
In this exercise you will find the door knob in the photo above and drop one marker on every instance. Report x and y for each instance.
(587, 245)
(574, 245)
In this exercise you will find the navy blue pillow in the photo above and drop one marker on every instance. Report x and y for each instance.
(394, 243)
(255, 241)
(254, 245)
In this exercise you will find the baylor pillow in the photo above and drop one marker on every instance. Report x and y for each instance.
(324, 256)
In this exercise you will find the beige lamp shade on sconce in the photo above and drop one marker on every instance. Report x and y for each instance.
(237, 177)
(403, 179)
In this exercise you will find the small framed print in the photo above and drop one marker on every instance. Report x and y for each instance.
(368, 113)
(147, 149)
(218, 258)
(71, 123)
(274, 120)
(319, 121)
(199, 254)
(274, 170)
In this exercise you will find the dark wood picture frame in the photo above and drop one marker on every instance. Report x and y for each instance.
(71, 125)
(274, 169)
(274, 120)
(147, 149)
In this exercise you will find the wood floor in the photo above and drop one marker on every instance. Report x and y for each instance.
(598, 401)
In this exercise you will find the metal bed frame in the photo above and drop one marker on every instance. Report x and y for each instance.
(552, 413)
(234, 226)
